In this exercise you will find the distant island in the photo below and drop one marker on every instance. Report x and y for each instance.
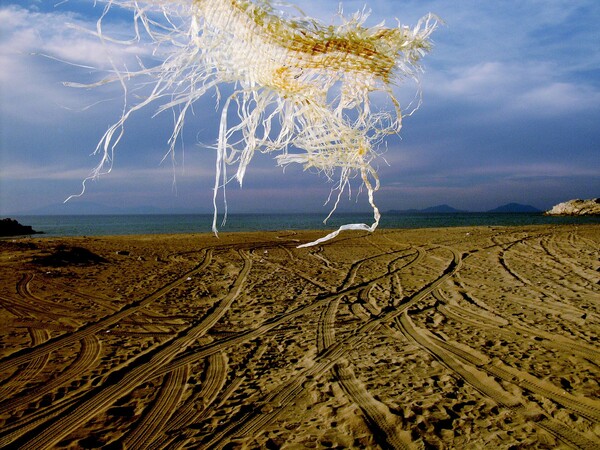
(577, 207)
(515, 208)
(433, 209)
(89, 208)
(447, 209)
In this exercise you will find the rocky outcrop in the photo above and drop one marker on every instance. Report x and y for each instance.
(10, 227)
(576, 207)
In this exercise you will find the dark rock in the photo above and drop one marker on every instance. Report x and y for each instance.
(65, 256)
(10, 227)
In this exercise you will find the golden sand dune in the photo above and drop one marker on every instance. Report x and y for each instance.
(439, 338)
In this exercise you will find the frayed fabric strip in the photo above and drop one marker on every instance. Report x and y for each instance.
(347, 227)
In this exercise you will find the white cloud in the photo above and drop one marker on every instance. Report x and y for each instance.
(53, 34)
(27, 172)
(532, 170)
(507, 89)
(556, 98)
(31, 82)
(21, 171)
(485, 78)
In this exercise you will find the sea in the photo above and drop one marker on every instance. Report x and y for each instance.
(121, 224)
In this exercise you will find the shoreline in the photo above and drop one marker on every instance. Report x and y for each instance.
(54, 226)
(447, 337)
(291, 231)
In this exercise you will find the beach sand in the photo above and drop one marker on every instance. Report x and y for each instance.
(466, 338)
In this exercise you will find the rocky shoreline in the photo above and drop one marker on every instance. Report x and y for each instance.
(577, 207)
(10, 227)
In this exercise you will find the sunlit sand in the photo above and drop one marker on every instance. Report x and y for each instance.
(446, 338)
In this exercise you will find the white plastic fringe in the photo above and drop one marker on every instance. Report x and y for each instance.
(301, 88)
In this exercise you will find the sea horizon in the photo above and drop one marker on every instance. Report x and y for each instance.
(71, 225)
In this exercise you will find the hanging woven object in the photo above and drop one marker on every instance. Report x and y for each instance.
(302, 90)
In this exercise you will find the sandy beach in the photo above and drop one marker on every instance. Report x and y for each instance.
(452, 338)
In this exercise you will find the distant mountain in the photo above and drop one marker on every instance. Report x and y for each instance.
(515, 208)
(444, 209)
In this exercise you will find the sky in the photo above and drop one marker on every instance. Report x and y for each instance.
(510, 113)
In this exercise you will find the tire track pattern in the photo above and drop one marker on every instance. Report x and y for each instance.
(164, 407)
(106, 396)
(86, 358)
(206, 371)
(455, 358)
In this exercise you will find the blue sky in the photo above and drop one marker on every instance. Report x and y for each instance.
(510, 113)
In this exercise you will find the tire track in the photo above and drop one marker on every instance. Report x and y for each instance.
(488, 318)
(100, 300)
(537, 303)
(87, 356)
(360, 311)
(214, 380)
(26, 424)
(549, 264)
(165, 406)
(387, 428)
(383, 291)
(269, 409)
(22, 308)
(316, 253)
(326, 328)
(583, 406)
(275, 403)
(120, 384)
(11, 433)
(157, 334)
(586, 407)
(450, 356)
(551, 341)
(101, 398)
(185, 432)
(525, 280)
(471, 375)
(505, 266)
(349, 279)
(30, 371)
(393, 268)
(356, 265)
(552, 250)
(561, 309)
(483, 318)
(364, 298)
(318, 301)
(292, 269)
(39, 305)
(21, 357)
(567, 434)
(35, 323)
